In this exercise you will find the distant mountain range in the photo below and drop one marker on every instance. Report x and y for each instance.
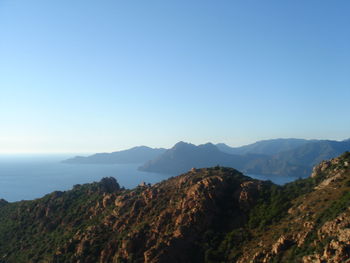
(291, 157)
(295, 151)
(267, 147)
(184, 156)
(138, 154)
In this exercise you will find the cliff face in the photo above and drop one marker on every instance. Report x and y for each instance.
(206, 215)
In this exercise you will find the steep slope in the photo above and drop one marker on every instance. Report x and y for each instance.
(316, 226)
(183, 156)
(138, 154)
(268, 147)
(206, 215)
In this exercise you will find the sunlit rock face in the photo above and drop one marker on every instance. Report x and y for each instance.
(211, 214)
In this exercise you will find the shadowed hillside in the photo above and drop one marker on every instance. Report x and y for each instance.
(268, 147)
(138, 154)
(183, 156)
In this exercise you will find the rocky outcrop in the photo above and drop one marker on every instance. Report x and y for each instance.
(282, 244)
(321, 168)
(336, 233)
(248, 193)
(190, 207)
(108, 185)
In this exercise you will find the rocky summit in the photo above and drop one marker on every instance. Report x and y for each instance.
(205, 215)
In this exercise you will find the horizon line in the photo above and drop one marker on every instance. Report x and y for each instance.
(97, 151)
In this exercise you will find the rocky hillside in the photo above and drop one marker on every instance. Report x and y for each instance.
(316, 227)
(206, 215)
(101, 222)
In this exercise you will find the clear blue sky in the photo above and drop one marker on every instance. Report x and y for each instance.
(91, 76)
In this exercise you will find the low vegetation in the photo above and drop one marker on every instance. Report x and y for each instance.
(206, 215)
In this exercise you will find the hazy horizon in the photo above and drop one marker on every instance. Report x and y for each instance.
(88, 76)
(166, 147)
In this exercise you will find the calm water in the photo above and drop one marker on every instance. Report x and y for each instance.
(29, 177)
(25, 177)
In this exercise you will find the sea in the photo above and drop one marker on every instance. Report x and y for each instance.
(27, 177)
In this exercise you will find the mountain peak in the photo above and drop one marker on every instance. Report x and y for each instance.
(182, 144)
(208, 146)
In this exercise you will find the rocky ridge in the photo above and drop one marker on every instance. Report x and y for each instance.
(105, 223)
(317, 226)
(206, 215)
